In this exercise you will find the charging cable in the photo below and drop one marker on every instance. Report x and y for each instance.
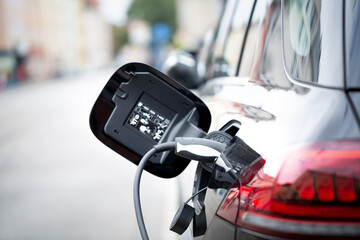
(136, 189)
(195, 194)
(199, 149)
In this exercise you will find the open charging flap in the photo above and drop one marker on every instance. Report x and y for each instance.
(140, 107)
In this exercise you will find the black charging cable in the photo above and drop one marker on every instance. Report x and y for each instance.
(203, 150)
(195, 194)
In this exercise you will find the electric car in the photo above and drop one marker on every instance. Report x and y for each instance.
(277, 88)
(288, 71)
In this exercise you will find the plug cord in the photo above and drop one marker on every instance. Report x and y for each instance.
(136, 189)
(195, 194)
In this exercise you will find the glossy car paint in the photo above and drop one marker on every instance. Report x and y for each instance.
(277, 111)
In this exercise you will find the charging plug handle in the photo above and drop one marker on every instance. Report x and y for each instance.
(199, 149)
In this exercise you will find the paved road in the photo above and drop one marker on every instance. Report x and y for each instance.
(57, 181)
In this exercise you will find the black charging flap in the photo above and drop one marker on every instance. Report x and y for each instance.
(140, 107)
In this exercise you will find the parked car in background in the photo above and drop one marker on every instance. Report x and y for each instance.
(12, 67)
(288, 71)
(7, 66)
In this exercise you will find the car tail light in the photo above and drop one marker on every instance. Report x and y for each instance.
(316, 192)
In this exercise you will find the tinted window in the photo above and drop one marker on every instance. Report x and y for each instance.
(215, 68)
(230, 38)
(352, 28)
(313, 41)
(236, 35)
(267, 67)
(253, 35)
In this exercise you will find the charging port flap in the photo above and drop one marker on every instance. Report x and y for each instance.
(140, 107)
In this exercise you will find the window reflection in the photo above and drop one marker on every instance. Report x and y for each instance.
(267, 68)
(230, 39)
(352, 31)
(313, 41)
(305, 39)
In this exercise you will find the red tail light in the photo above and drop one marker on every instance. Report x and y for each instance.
(316, 193)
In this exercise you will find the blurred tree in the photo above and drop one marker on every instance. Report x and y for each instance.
(154, 11)
(120, 37)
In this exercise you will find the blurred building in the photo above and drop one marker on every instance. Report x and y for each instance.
(56, 37)
(195, 18)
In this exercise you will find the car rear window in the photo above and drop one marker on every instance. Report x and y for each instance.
(313, 43)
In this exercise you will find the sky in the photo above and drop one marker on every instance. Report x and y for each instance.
(114, 11)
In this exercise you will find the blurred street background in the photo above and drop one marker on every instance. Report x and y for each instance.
(57, 181)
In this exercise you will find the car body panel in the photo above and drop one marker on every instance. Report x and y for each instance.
(277, 111)
(289, 111)
(355, 99)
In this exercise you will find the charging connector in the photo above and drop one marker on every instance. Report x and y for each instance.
(199, 149)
